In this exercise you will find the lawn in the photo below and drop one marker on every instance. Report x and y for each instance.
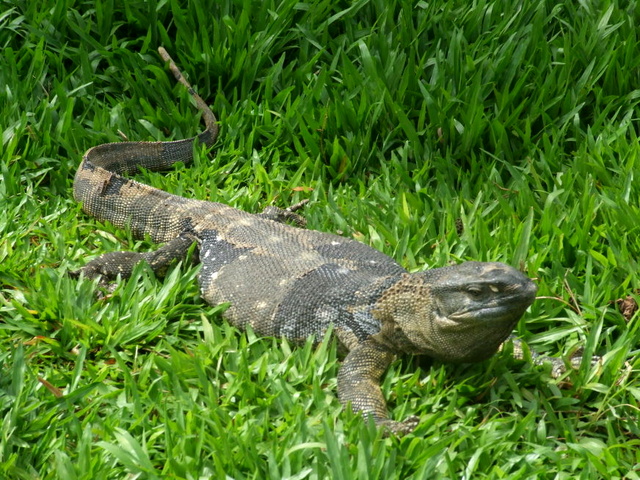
(436, 132)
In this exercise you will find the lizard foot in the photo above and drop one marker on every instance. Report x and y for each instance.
(558, 365)
(106, 269)
(287, 214)
(391, 427)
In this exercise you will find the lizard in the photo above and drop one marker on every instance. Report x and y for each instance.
(284, 280)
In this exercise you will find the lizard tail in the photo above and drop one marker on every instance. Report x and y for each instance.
(210, 135)
(107, 195)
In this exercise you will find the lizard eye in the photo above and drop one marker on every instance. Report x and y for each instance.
(474, 291)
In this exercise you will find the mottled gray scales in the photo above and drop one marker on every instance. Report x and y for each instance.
(215, 253)
(256, 285)
(287, 281)
(350, 252)
(329, 294)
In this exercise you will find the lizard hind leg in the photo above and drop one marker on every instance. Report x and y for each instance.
(109, 266)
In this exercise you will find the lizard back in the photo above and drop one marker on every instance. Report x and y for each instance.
(287, 281)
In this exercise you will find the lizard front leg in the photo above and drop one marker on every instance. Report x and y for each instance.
(359, 385)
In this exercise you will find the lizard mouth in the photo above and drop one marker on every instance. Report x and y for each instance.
(507, 308)
(495, 313)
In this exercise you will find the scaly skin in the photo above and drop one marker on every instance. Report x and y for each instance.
(296, 283)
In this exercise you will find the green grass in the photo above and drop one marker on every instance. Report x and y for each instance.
(397, 120)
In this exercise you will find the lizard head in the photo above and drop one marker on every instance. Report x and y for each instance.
(457, 314)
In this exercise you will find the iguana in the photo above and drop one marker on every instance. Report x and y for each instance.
(287, 281)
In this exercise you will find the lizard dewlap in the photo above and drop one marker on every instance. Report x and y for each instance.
(287, 281)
